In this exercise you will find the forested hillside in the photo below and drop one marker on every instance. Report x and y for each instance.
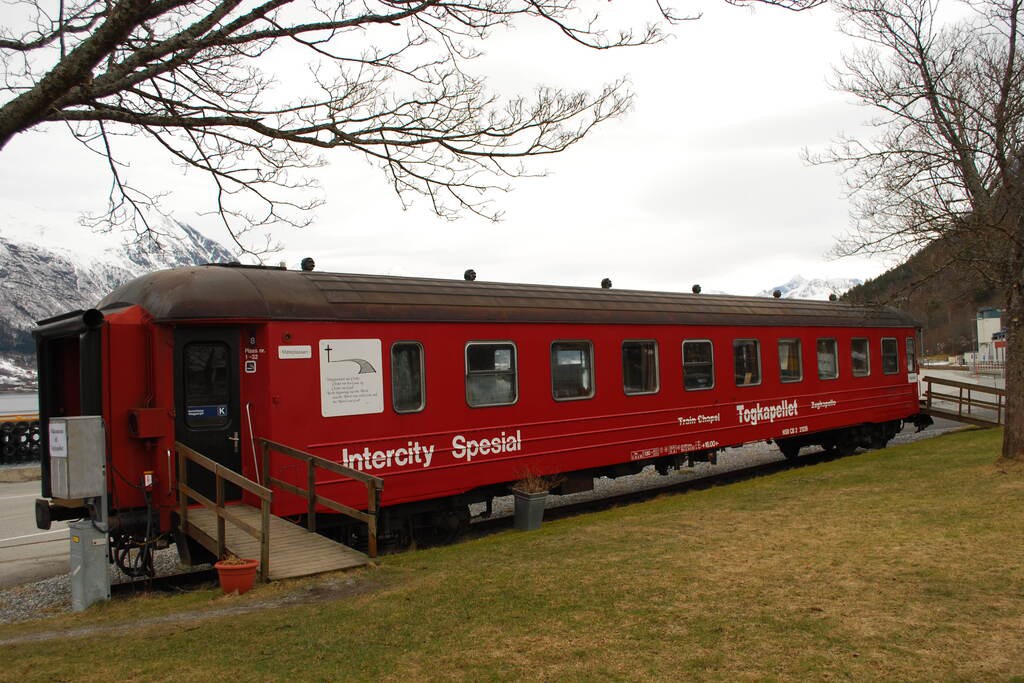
(943, 297)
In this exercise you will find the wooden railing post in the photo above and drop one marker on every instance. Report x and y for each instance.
(220, 518)
(266, 462)
(265, 541)
(373, 498)
(310, 495)
(182, 496)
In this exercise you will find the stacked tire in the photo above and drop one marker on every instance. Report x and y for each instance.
(19, 442)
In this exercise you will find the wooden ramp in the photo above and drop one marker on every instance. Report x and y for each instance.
(294, 551)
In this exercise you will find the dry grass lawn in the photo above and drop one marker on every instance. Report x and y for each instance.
(903, 564)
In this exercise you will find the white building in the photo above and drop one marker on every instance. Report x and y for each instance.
(991, 336)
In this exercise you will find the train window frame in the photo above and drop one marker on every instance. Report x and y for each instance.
(514, 372)
(835, 357)
(589, 369)
(423, 377)
(657, 368)
(867, 357)
(799, 360)
(711, 372)
(911, 355)
(199, 423)
(895, 356)
(757, 355)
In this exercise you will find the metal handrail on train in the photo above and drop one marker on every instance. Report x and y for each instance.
(374, 485)
(968, 401)
(222, 474)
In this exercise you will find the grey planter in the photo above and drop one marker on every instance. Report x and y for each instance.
(529, 509)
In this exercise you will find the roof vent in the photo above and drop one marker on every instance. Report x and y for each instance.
(469, 275)
(777, 294)
(308, 264)
(606, 283)
(695, 289)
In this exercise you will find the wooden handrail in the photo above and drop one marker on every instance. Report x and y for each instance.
(222, 474)
(226, 473)
(969, 401)
(374, 485)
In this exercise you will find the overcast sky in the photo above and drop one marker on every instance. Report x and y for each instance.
(701, 183)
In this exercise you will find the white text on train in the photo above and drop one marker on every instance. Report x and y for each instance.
(469, 449)
(414, 453)
(769, 413)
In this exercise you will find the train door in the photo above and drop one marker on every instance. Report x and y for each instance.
(206, 402)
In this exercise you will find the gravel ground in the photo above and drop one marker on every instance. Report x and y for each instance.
(53, 596)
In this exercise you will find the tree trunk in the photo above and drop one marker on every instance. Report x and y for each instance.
(1013, 434)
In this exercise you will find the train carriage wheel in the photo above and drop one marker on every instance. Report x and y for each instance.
(789, 449)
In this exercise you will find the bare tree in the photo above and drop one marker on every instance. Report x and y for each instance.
(945, 165)
(387, 78)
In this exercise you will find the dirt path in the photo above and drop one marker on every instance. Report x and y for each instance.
(326, 590)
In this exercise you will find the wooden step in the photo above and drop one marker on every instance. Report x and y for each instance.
(294, 550)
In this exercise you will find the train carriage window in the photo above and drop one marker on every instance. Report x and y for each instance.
(491, 378)
(860, 357)
(890, 356)
(828, 359)
(746, 355)
(640, 367)
(572, 370)
(911, 355)
(698, 365)
(791, 368)
(207, 389)
(407, 383)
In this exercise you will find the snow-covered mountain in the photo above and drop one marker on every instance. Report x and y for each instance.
(49, 264)
(802, 288)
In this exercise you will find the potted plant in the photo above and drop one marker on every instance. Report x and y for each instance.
(531, 494)
(236, 574)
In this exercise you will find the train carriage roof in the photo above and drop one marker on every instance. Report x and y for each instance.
(244, 292)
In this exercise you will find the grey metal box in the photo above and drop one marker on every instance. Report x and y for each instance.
(77, 457)
(90, 574)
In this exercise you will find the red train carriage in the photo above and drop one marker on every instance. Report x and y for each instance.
(450, 390)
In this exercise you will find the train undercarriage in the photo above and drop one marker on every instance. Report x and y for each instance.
(435, 522)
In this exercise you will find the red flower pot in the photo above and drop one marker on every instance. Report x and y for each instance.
(236, 575)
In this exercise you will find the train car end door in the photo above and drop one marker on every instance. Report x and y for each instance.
(207, 403)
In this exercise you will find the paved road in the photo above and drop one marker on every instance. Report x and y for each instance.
(27, 553)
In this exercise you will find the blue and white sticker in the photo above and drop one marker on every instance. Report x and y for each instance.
(208, 411)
